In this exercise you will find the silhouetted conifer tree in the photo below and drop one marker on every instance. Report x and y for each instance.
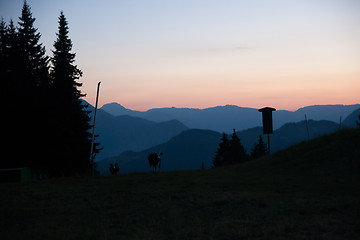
(24, 65)
(229, 152)
(9, 67)
(221, 153)
(31, 73)
(73, 135)
(237, 152)
(47, 125)
(11, 134)
(32, 58)
(3, 50)
(25, 74)
(259, 149)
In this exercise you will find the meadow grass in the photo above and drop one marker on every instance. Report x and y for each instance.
(269, 198)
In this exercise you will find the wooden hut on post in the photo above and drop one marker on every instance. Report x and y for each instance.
(267, 122)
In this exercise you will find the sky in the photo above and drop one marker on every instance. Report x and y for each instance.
(205, 53)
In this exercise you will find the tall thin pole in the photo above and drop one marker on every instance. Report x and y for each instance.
(340, 123)
(93, 132)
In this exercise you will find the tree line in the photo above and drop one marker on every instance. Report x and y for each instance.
(232, 151)
(45, 121)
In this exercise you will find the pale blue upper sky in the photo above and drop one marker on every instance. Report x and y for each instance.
(197, 53)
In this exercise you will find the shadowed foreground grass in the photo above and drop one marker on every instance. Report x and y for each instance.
(304, 192)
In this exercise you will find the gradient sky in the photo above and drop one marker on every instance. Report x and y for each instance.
(204, 53)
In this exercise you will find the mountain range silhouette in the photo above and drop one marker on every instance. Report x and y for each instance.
(128, 136)
(226, 118)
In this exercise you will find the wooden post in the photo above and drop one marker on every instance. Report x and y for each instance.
(340, 122)
(93, 132)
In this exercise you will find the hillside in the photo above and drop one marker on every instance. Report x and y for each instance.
(188, 149)
(350, 121)
(308, 191)
(329, 155)
(288, 134)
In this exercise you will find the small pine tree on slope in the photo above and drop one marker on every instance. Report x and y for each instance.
(259, 149)
(221, 153)
(237, 152)
(229, 152)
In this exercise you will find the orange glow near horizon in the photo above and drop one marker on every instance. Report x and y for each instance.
(199, 54)
(277, 92)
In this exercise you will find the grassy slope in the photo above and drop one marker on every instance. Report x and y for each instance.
(310, 190)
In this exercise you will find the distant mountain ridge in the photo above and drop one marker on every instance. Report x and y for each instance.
(225, 118)
(135, 132)
(192, 147)
(122, 133)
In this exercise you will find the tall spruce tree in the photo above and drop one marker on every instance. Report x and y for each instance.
(3, 50)
(24, 65)
(9, 53)
(10, 67)
(32, 59)
(4, 96)
(12, 50)
(48, 125)
(24, 74)
(73, 137)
